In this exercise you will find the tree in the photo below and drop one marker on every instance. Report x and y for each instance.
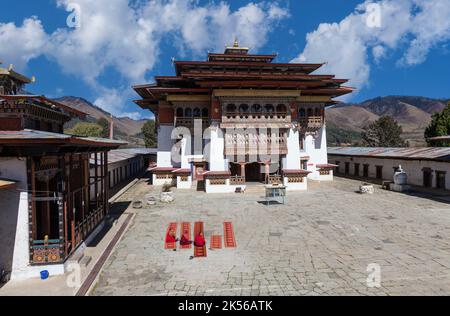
(384, 132)
(439, 126)
(86, 130)
(104, 123)
(150, 135)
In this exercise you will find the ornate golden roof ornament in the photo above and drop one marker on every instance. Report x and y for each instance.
(236, 43)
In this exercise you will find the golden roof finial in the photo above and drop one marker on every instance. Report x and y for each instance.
(236, 43)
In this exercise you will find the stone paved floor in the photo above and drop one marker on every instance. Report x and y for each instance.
(320, 243)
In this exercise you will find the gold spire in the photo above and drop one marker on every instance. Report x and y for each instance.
(236, 43)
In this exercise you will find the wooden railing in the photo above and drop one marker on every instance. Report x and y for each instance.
(252, 144)
(274, 179)
(252, 117)
(311, 122)
(237, 180)
(189, 121)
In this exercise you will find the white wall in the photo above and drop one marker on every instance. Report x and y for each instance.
(300, 186)
(226, 188)
(292, 160)
(413, 168)
(14, 254)
(165, 143)
(216, 150)
(316, 148)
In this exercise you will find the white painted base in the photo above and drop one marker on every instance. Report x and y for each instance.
(226, 188)
(33, 272)
(300, 186)
(326, 177)
(161, 182)
(184, 184)
(399, 187)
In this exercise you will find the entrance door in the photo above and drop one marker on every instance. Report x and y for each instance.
(427, 178)
(440, 180)
(253, 172)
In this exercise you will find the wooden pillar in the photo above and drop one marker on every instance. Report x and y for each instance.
(242, 170)
(106, 185)
(95, 181)
(65, 184)
(267, 170)
(33, 196)
(71, 204)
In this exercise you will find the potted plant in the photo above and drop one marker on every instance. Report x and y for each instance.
(167, 194)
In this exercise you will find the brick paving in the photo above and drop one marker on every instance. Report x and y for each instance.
(320, 243)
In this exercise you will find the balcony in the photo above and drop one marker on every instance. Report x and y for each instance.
(311, 123)
(255, 144)
(256, 120)
(189, 122)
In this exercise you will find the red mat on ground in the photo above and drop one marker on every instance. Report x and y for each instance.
(216, 242)
(186, 231)
(199, 251)
(170, 245)
(228, 235)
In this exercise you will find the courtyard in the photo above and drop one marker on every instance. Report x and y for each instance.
(321, 242)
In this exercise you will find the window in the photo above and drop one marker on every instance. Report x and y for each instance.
(197, 112)
(180, 112)
(205, 112)
(231, 108)
(188, 112)
(357, 169)
(281, 108)
(379, 172)
(243, 108)
(269, 108)
(256, 108)
(440, 179)
(365, 171)
(302, 112)
(347, 168)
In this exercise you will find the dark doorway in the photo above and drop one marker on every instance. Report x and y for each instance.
(253, 172)
(357, 169)
(427, 178)
(365, 171)
(379, 172)
(347, 168)
(440, 180)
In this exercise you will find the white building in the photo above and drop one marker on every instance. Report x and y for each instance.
(238, 118)
(427, 166)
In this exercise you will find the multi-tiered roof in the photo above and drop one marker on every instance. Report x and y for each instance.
(237, 69)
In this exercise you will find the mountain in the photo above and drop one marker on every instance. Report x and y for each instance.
(412, 113)
(125, 128)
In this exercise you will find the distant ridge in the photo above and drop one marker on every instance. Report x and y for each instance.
(412, 112)
(125, 128)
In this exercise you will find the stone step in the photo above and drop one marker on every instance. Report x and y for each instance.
(76, 258)
(84, 262)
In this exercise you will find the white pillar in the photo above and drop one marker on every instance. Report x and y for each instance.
(316, 148)
(293, 156)
(163, 158)
(216, 150)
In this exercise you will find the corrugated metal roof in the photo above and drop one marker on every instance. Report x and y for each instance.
(36, 135)
(126, 153)
(429, 153)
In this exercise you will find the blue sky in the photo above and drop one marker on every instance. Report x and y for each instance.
(121, 43)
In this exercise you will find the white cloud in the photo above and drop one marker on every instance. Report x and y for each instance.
(417, 26)
(114, 34)
(18, 45)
